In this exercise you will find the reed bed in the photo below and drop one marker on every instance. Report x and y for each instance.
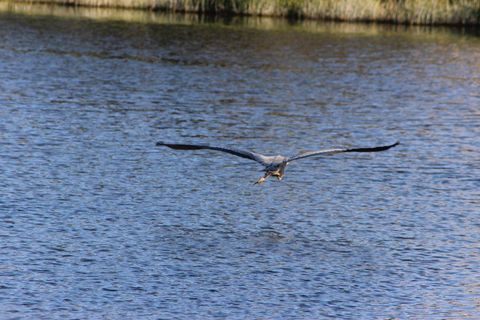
(460, 12)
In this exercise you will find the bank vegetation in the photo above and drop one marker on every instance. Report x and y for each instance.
(459, 12)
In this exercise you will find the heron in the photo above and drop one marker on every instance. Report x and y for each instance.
(273, 165)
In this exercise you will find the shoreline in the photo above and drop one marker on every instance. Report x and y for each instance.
(401, 12)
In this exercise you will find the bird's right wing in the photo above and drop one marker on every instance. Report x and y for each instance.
(239, 153)
(334, 151)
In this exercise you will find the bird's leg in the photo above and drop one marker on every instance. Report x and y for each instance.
(281, 171)
(262, 179)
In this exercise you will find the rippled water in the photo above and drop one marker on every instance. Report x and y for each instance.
(96, 222)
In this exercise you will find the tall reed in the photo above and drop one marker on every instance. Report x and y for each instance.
(395, 11)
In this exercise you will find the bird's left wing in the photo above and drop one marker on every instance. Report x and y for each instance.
(239, 153)
(334, 151)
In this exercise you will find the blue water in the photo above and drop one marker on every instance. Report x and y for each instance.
(98, 223)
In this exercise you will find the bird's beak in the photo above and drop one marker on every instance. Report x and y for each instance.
(260, 181)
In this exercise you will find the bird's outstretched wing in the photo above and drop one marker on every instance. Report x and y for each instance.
(239, 153)
(334, 151)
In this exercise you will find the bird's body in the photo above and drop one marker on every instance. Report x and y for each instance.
(274, 165)
(276, 169)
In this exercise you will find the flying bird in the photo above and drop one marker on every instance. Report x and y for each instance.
(274, 165)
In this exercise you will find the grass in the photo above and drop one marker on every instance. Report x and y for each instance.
(460, 12)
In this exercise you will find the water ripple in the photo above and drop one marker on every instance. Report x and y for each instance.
(96, 222)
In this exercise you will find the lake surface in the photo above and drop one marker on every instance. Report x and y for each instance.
(98, 223)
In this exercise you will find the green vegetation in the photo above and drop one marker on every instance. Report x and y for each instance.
(394, 11)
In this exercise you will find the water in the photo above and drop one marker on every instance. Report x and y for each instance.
(98, 223)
